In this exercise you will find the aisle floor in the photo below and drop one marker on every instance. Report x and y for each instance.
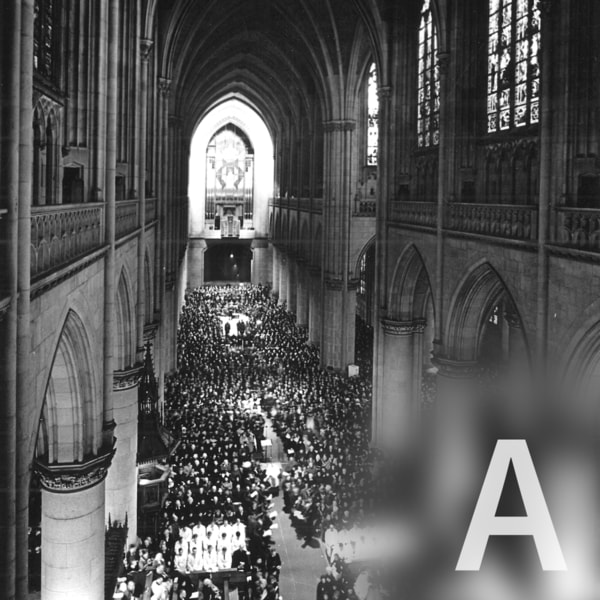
(302, 564)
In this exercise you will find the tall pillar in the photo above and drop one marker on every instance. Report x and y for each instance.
(276, 269)
(339, 314)
(25, 396)
(456, 440)
(302, 294)
(73, 529)
(337, 349)
(261, 262)
(283, 278)
(314, 306)
(195, 262)
(10, 71)
(291, 285)
(398, 395)
(121, 482)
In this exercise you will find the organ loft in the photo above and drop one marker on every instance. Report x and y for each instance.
(409, 194)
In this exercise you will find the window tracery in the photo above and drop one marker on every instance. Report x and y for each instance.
(513, 64)
(428, 126)
(373, 117)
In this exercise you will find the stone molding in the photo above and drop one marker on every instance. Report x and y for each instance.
(146, 48)
(74, 477)
(127, 378)
(150, 330)
(456, 369)
(334, 284)
(401, 328)
(339, 125)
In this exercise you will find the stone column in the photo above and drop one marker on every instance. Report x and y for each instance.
(121, 482)
(302, 294)
(25, 405)
(456, 440)
(291, 285)
(261, 262)
(283, 278)
(314, 305)
(73, 529)
(339, 314)
(10, 71)
(195, 262)
(398, 395)
(276, 268)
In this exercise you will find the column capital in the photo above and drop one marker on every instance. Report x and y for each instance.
(384, 92)
(339, 125)
(456, 369)
(150, 330)
(146, 46)
(127, 378)
(164, 86)
(334, 283)
(399, 328)
(67, 478)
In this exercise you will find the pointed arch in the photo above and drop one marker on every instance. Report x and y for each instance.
(479, 292)
(67, 432)
(411, 287)
(125, 334)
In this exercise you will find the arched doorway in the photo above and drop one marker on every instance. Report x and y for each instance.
(229, 262)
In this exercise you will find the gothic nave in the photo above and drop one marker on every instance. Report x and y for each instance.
(415, 185)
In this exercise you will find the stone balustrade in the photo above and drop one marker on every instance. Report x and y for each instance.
(151, 213)
(365, 208)
(494, 220)
(423, 214)
(63, 233)
(126, 220)
(579, 228)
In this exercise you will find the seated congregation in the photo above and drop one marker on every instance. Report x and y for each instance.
(219, 512)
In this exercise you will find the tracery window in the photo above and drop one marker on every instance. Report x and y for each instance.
(44, 38)
(428, 122)
(373, 117)
(362, 281)
(513, 64)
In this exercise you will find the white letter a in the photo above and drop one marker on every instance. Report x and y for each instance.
(537, 523)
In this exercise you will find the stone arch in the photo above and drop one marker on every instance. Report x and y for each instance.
(125, 341)
(411, 290)
(479, 292)
(68, 431)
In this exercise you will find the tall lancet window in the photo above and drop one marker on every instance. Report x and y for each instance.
(428, 122)
(513, 64)
(373, 117)
(44, 38)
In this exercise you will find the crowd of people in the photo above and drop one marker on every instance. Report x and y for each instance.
(218, 513)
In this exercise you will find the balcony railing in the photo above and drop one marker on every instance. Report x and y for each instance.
(126, 220)
(62, 233)
(150, 210)
(579, 228)
(423, 214)
(365, 208)
(495, 220)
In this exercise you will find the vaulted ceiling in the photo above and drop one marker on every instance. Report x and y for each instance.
(297, 62)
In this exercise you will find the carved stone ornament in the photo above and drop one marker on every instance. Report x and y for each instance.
(150, 330)
(456, 369)
(127, 378)
(74, 477)
(339, 125)
(392, 327)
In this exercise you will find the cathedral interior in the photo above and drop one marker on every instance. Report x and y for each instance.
(411, 189)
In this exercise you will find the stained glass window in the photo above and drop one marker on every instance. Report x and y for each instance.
(513, 64)
(362, 283)
(43, 39)
(373, 117)
(428, 122)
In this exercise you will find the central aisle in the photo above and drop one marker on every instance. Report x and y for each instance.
(302, 565)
